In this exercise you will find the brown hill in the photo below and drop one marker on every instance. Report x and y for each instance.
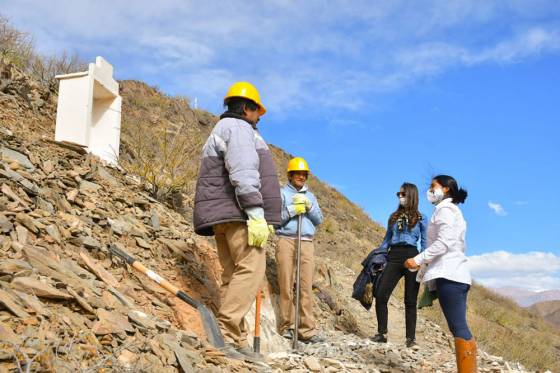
(548, 310)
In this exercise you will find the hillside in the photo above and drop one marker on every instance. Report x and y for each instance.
(526, 298)
(548, 310)
(67, 305)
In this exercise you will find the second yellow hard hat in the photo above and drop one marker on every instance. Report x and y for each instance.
(248, 91)
(297, 164)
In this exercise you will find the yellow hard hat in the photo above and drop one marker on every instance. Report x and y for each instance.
(297, 164)
(246, 90)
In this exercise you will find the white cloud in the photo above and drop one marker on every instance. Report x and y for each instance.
(173, 49)
(497, 208)
(521, 203)
(534, 270)
(432, 58)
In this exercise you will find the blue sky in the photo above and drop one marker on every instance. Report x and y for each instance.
(371, 93)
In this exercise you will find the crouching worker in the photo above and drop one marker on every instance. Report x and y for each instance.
(297, 200)
(237, 197)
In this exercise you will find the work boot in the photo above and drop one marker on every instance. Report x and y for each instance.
(379, 338)
(312, 339)
(288, 334)
(410, 342)
(465, 353)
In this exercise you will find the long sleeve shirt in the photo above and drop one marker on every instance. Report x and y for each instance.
(445, 256)
(407, 236)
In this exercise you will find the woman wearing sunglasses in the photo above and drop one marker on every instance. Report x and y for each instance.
(406, 227)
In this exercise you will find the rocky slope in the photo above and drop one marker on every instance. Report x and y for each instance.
(67, 305)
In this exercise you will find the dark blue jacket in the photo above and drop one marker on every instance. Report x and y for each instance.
(365, 286)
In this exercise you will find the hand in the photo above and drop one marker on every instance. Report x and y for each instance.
(299, 208)
(411, 264)
(258, 232)
(301, 198)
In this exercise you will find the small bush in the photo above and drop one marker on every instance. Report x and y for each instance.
(15, 46)
(164, 158)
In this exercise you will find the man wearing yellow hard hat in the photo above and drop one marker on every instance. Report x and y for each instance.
(237, 197)
(297, 200)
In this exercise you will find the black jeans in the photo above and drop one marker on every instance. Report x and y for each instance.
(389, 279)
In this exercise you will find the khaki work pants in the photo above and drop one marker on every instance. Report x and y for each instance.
(243, 273)
(286, 252)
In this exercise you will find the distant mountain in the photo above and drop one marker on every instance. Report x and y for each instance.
(526, 298)
(548, 310)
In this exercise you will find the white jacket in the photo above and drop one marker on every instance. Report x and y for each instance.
(445, 256)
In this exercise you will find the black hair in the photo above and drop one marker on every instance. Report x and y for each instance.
(459, 195)
(237, 105)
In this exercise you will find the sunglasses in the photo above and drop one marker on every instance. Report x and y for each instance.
(401, 194)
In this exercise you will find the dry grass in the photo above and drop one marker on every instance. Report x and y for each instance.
(162, 140)
(162, 159)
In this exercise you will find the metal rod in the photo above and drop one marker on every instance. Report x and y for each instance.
(298, 267)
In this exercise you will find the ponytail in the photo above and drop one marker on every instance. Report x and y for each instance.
(460, 197)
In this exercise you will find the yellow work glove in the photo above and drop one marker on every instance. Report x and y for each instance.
(258, 232)
(300, 208)
(257, 227)
(301, 198)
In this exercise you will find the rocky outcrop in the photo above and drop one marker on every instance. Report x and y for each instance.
(65, 304)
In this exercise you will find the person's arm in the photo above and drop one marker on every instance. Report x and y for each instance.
(388, 235)
(445, 236)
(423, 233)
(286, 213)
(242, 162)
(315, 214)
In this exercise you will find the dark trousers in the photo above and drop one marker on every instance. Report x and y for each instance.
(389, 279)
(453, 300)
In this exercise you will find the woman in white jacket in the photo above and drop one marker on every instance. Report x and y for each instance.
(446, 265)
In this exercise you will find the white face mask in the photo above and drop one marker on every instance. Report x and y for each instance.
(402, 201)
(435, 196)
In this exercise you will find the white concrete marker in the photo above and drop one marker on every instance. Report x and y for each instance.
(89, 110)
